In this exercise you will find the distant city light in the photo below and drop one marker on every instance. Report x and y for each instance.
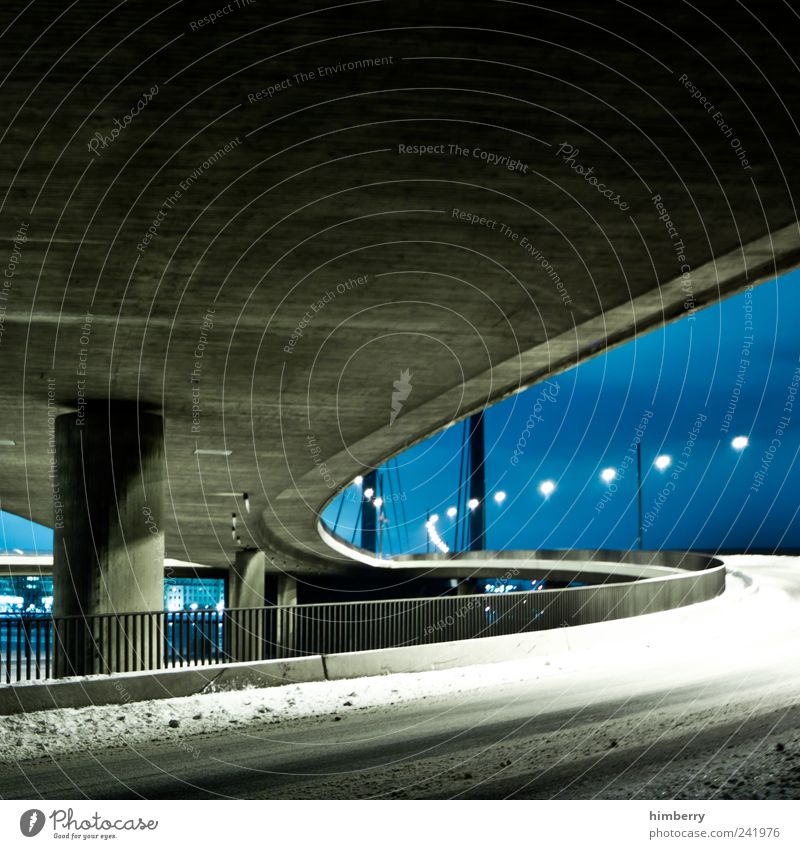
(740, 442)
(12, 600)
(663, 461)
(608, 475)
(358, 480)
(500, 496)
(473, 503)
(547, 488)
(452, 512)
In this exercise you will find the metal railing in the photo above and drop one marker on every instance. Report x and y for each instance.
(37, 647)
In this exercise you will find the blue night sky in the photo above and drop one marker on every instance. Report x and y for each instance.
(26, 536)
(687, 383)
(585, 420)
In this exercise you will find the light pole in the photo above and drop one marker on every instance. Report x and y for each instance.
(427, 535)
(382, 520)
(663, 461)
(640, 530)
(452, 513)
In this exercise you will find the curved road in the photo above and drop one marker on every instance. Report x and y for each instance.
(711, 708)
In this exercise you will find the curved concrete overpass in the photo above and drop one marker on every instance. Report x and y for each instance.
(300, 203)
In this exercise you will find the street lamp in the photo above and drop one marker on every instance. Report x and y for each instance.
(547, 488)
(608, 475)
(662, 462)
(740, 442)
(452, 512)
(473, 503)
(500, 496)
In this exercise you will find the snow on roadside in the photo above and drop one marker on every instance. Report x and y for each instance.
(63, 731)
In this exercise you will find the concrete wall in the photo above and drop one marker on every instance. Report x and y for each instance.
(654, 629)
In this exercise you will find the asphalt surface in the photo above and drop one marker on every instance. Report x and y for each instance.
(719, 720)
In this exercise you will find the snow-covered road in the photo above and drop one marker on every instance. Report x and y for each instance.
(712, 710)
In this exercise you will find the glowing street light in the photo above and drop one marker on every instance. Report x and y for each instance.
(473, 503)
(740, 442)
(369, 492)
(452, 512)
(378, 502)
(358, 480)
(547, 488)
(608, 475)
(434, 536)
(663, 461)
(500, 496)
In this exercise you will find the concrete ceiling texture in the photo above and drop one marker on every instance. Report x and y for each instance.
(255, 217)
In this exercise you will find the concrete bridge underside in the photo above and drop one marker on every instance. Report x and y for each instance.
(258, 251)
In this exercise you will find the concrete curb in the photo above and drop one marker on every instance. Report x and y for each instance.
(164, 684)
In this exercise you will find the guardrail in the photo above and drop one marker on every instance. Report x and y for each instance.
(39, 648)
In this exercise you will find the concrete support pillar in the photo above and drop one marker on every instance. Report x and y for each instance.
(246, 605)
(287, 590)
(246, 580)
(287, 631)
(108, 550)
(477, 483)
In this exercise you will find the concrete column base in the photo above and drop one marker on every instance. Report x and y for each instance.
(245, 607)
(286, 630)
